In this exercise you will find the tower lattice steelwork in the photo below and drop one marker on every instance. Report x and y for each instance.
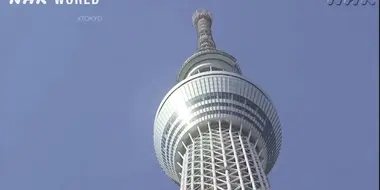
(215, 130)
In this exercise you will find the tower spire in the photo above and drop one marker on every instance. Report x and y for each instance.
(202, 21)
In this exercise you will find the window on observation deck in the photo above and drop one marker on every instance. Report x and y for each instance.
(216, 69)
(205, 69)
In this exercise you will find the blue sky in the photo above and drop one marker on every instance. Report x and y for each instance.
(77, 100)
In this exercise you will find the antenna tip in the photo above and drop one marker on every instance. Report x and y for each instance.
(201, 13)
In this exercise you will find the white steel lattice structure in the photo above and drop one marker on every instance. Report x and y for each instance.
(215, 130)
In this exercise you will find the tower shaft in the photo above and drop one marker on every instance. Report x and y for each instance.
(221, 158)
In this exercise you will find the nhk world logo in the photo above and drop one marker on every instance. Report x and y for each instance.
(57, 2)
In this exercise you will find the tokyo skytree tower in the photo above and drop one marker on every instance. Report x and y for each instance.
(215, 130)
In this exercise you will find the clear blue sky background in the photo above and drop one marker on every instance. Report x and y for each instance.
(77, 101)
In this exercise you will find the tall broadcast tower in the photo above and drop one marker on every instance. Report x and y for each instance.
(215, 130)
